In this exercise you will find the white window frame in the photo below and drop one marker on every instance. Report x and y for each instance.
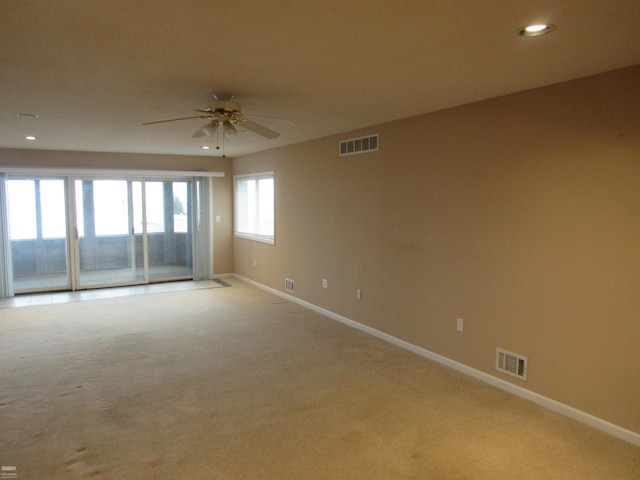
(253, 235)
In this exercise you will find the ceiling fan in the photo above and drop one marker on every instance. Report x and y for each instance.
(224, 113)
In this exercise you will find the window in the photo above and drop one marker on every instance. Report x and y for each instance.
(53, 208)
(180, 204)
(254, 207)
(36, 209)
(23, 222)
(164, 200)
(111, 207)
(155, 207)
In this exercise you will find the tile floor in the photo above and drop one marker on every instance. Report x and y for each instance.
(103, 293)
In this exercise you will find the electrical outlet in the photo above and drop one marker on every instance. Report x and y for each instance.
(460, 325)
(325, 283)
(358, 294)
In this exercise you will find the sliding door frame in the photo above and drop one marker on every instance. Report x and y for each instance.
(198, 223)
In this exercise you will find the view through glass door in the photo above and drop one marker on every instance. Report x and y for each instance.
(106, 253)
(124, 232)
(169, 215)
(38, 234)
(133, 231)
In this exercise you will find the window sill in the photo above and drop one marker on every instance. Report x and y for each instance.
(256, 238)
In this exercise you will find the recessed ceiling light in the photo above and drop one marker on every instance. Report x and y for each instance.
(205, 147)
(536, 30)
(30, 137)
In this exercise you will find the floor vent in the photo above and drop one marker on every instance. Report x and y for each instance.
(288, 285)
(511, 364)
(354, 146)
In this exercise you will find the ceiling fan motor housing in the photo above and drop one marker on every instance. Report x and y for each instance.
(225, 106)
(223, 111)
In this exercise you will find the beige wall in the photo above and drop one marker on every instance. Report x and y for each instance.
(222, 187)
(520, 214)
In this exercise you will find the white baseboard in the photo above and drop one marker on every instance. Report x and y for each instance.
(541, 400)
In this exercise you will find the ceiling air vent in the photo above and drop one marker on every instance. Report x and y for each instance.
(511, 364)
(354, 146)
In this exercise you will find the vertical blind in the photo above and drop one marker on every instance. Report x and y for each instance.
(6, 274)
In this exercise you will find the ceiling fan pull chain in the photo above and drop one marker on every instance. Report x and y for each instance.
(223, 152)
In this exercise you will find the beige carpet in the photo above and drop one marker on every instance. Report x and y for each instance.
(234, 383)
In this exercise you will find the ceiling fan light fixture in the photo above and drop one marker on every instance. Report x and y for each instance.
(210, 129)
(536, 30)
(229, 129)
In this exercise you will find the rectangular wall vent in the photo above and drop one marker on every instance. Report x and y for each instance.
(511, 364)
(354, 146)
(288, 285)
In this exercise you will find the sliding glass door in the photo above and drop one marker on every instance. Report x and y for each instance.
(169, 229)
(38, 233)
(106, 246)
(78, 233)
(133, 231)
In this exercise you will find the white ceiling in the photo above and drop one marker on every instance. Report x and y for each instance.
(94, 70)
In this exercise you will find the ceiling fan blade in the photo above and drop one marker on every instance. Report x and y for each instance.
(279, 121)
(259, 129)
(208, 130)
(174, 120)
